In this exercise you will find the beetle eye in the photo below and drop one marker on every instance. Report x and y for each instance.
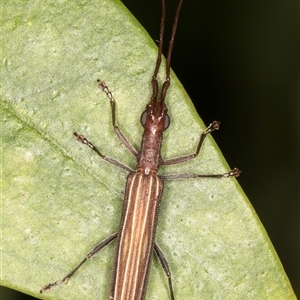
(143, 118)
(167, 122)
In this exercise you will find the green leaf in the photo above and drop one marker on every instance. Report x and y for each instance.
(59, 199)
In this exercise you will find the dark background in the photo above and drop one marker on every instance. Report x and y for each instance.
(239, 62)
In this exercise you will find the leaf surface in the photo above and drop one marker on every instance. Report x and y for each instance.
(59, 199)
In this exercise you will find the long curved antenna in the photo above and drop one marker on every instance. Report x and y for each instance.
(169, 55)
(159, 53)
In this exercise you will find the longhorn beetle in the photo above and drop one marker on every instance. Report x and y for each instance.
(144, 188)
